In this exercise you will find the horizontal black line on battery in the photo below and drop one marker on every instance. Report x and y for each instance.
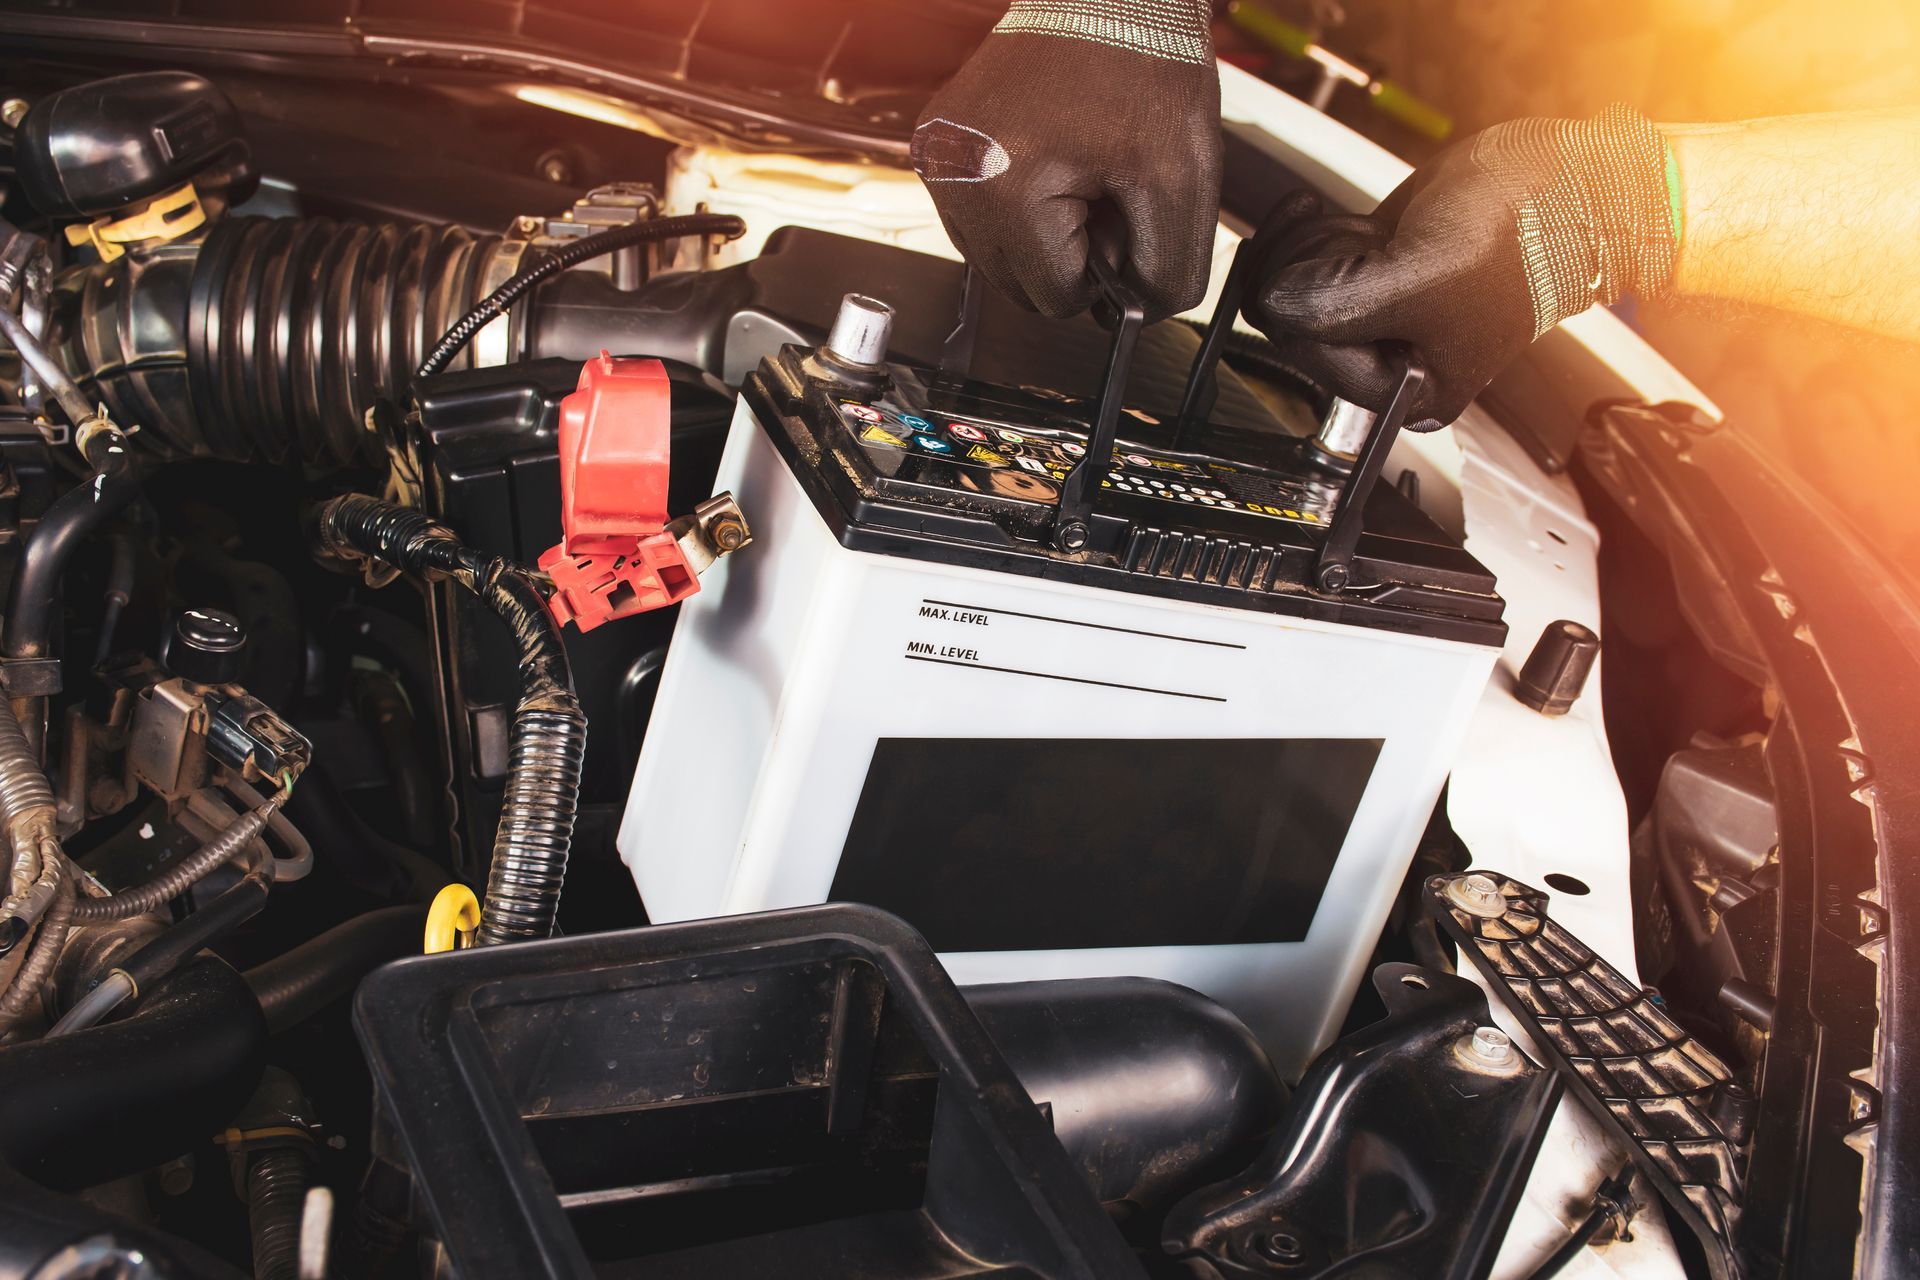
(1074, 622)
(1045, 675)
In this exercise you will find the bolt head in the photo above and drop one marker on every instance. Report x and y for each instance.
(1479, 895)
(1282, 1248)
(1493, 1044)
(728, 534)
(12, 112)
(1073, 535)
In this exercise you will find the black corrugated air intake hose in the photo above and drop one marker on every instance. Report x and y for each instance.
(272, 337)
(549, 735)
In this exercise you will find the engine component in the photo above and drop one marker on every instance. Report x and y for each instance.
(925, 639)
(247, 736)
(78, 1110)
(273, 337)
(205, 646)
(46, 1234)
(535, 830)
(224, 847)
(1677, 1105)
(1406, 1150)
(182, 729)
(26, 636)
(607, 242)
(811, 1080)
(104, 146)
(26, 267)
(617, 557)
(1152, 1089)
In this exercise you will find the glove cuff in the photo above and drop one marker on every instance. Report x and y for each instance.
(1175, 30)
(1603, 227)
(1623, 159)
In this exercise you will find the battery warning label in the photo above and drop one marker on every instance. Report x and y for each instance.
(1029, 463)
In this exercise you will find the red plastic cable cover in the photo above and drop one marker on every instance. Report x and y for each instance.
(615, 558)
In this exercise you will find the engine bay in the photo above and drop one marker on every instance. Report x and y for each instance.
(885, 783)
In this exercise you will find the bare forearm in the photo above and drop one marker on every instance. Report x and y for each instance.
(1814, 214)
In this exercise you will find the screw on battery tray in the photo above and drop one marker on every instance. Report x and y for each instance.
(1478, 895)
(1073, 535)
(1492, 1046)
(1488, 1051)
(1334, 577)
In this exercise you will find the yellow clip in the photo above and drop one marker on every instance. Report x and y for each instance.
(166, 217)
(455, 911)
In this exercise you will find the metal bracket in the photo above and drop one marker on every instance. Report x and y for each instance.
(1073, 528)
(1639, 1072)
(1306, 1208)
(31, 677)
(1334, 570)
(1203, 386)
(956, 353)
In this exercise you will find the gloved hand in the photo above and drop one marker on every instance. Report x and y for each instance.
(1079, 115)
(1476, 254)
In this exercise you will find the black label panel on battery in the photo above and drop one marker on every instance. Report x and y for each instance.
(1043, 844)
(1028, 463)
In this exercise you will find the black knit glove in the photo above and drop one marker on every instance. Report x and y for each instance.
(1077, 116)
(1476, 254)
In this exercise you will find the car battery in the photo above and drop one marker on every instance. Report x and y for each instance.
(1070, 702)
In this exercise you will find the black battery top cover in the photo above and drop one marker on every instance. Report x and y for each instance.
(932, 466)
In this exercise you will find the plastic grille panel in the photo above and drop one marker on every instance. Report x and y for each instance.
(1635, 1064)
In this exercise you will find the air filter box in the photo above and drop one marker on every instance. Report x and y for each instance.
(1064, 728)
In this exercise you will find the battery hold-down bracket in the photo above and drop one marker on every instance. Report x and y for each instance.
(618, 554)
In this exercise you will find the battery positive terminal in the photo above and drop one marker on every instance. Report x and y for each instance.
(618, 555)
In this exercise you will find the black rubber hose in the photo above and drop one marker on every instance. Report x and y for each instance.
(547, 744)
(118, 595)
(294, 986)
(227, 912)
(78, 514)
(83, 1109)
(495, 304)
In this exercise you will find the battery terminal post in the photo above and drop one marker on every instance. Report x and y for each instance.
(618, 555)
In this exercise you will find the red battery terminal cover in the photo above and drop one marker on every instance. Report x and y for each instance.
(616, 557)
